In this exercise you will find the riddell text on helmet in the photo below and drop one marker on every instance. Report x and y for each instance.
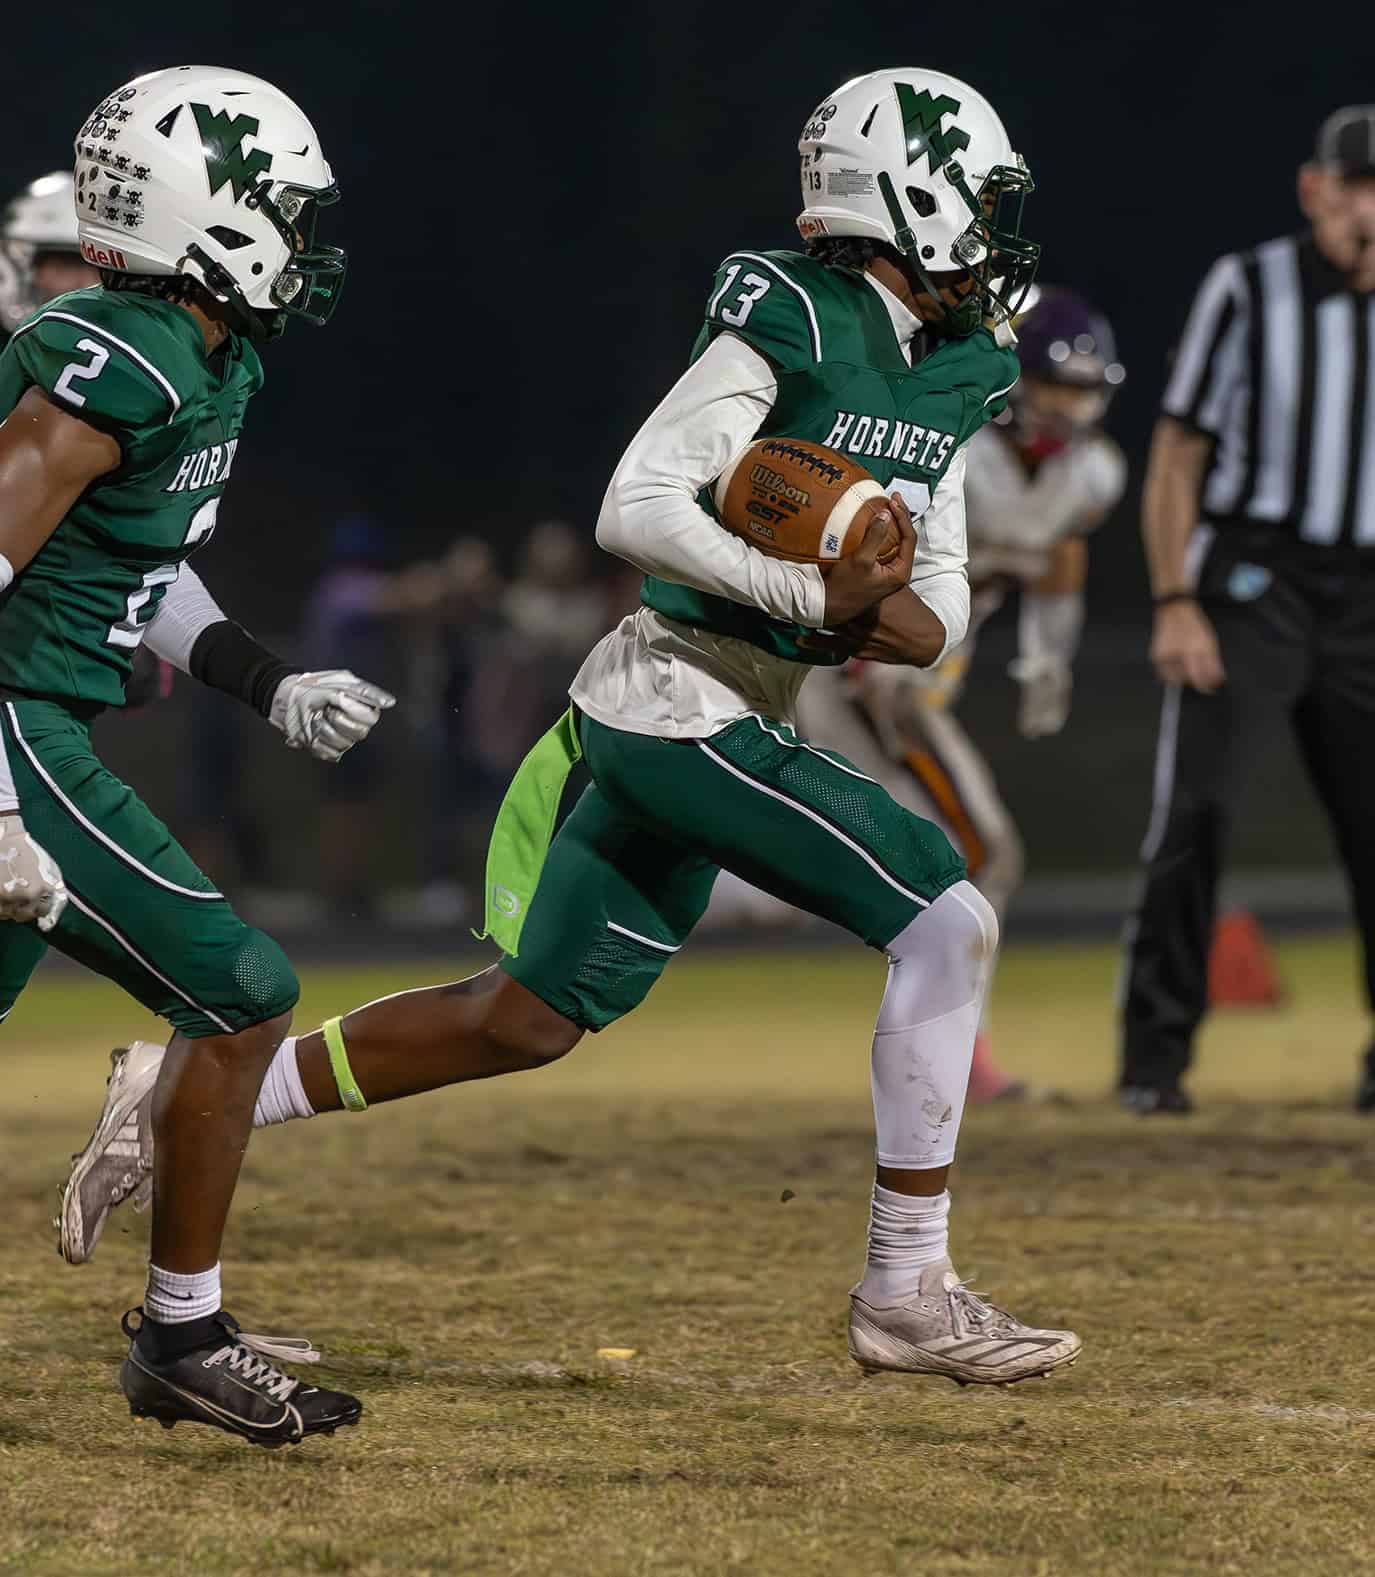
(104, 256)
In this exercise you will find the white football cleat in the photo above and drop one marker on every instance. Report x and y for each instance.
(118, 1158)
(949, 1330)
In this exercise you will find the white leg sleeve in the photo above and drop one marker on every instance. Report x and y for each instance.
(938, 972)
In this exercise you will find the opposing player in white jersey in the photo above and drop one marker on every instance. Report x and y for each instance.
(1039, 480)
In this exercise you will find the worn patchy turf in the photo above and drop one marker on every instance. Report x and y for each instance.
(462, 1258)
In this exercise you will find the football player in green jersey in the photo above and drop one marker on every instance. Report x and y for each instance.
(683, 714)
(40, 257)
(122, 405)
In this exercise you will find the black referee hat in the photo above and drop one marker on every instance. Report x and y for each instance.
(1347, 140)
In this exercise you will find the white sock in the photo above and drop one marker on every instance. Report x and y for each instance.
(924, 1040)
(282, 1095)
(906, 1234)
(172, 1299)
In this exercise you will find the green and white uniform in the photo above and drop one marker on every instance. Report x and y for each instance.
(140, 910)
(684, 709)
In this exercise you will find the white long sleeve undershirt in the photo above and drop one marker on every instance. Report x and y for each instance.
(654, 675)
(651, 516)
(186, 609)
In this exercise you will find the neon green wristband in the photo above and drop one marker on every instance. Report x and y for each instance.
(349, 1092)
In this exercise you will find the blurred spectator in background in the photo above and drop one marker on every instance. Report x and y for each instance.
(220, 811)
(461, 788)
(508, 655)
(553, 612)
(351, 619)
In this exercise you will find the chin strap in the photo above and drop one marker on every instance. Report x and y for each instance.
(221, 284)
(958, 321)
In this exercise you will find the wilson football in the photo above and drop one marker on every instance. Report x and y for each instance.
(797, 500)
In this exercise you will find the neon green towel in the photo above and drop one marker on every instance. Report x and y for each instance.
(523, 830)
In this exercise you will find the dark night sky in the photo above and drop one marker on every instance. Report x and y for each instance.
(535, 201)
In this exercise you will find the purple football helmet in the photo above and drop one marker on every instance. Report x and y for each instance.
(1063, 340)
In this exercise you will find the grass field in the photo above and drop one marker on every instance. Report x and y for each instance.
(462, 1258)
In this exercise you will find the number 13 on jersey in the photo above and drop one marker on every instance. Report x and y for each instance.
(753, 287)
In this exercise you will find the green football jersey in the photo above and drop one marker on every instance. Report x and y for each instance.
(843, 380)
(136, 368)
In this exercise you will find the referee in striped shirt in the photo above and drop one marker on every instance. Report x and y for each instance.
(1259, 526)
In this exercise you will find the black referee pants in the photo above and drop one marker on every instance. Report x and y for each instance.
(1296, 627)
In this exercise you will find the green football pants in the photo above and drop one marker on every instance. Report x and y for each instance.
(140, 912)
(631, 869)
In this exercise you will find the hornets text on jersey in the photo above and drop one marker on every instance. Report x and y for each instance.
(843, 380)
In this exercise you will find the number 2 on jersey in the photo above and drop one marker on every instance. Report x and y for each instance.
(752, 288)
(74, 371)
(131, 629)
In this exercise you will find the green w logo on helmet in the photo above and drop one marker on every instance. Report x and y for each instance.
(222, 138)
(921, 120)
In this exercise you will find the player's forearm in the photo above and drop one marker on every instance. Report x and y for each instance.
(325, 712)
(651, 516)
(185, 612)
(1169, 506)
(192, 632)
(917, 627)
(662, 530)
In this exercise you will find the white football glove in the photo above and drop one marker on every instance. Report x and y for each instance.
(31, 886)
(327, 713)
(1047, 684)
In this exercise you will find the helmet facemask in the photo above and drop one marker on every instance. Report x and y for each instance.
(992, 251)
(310, 283)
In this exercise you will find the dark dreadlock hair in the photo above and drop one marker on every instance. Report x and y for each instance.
(852, 251)
(178, 288)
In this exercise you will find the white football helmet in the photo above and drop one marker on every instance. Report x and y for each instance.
(42, 218)
(920, 161)
(212, 173)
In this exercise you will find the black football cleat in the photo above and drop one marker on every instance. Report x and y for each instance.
(230, 1384)
(1155, 1100)
(1365, 1085)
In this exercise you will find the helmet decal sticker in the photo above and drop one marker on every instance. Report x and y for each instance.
(815, 128)
(225, 161)
(921, 120)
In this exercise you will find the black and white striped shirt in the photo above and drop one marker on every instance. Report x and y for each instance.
(1275, 365)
